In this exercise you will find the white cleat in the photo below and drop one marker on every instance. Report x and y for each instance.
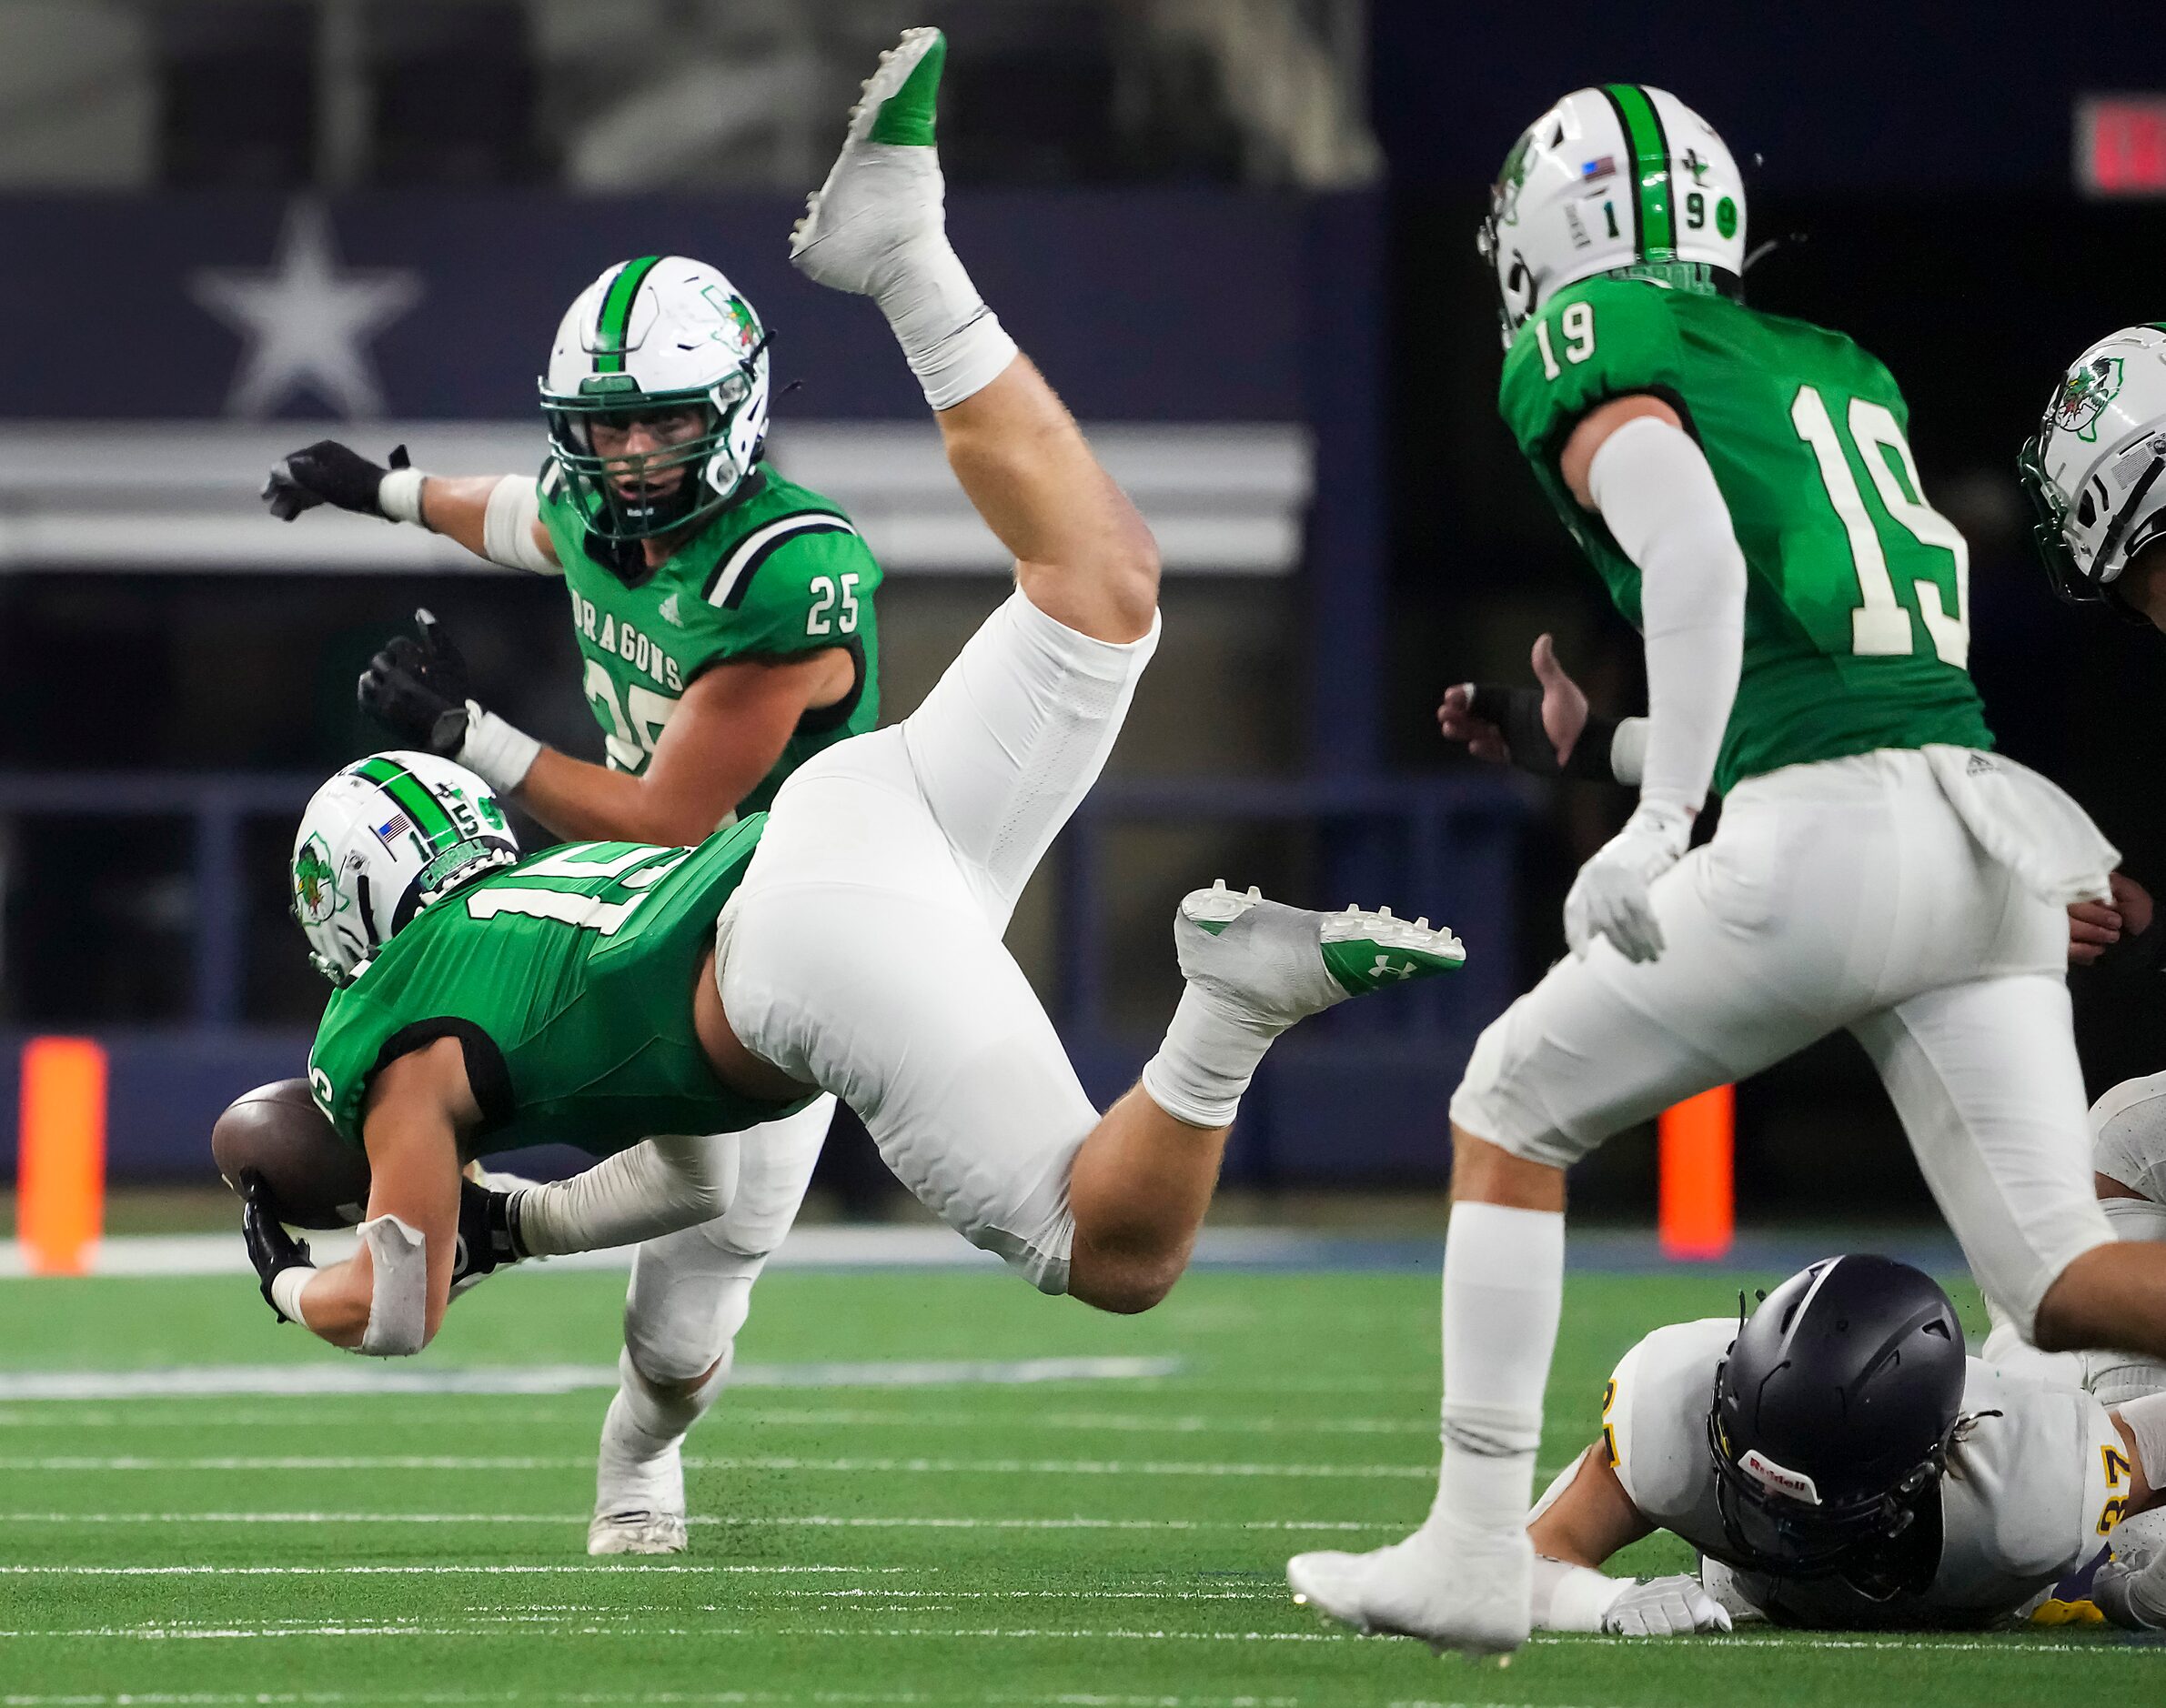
(639, 1490)
(884, 198)
(1282, 964)
(636, 1532)
(1479, 1601)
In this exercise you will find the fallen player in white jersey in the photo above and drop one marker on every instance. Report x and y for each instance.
(1839, 1464)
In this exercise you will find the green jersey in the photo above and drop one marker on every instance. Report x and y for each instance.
(567, 979)
(1856, 606)
(779, 573)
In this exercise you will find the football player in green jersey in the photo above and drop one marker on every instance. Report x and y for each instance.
(848, 940)
(726, 621)
(1744, 485)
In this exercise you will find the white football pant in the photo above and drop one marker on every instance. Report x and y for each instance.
(1843, 894)
(862, 952)
(690, 1290)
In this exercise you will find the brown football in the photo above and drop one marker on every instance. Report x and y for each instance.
(317, 1179)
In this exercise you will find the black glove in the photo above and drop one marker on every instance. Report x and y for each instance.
(1517, 712)
(488, 1235)
(418, 687)
(328, 472)
(270, 1248)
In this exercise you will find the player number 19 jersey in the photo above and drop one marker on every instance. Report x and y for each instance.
(1856, 612)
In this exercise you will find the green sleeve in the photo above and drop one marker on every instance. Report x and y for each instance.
(811, 588)
(348, 1044)
(1607, 338)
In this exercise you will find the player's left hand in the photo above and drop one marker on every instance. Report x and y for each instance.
(1664, 1607)
(1611, 895)
(270, 1248)
(1535, 729)
(418, 687)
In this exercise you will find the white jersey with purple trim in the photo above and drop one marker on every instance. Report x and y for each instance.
(2040, 1478)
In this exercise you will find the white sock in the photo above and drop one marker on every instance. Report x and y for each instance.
(1208, 1057)
(953, 343)
(1504, 1282)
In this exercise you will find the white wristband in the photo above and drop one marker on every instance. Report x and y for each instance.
(1572, 1597)
(287, 1288)
(500, 755)
(399, 496)
(1629, 751)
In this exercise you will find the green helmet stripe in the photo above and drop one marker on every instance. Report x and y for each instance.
(413, 798)
(616, 314)
(1650, 168)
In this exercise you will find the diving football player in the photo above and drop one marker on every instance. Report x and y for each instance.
(1744, 485)
(1838, 1463)
(846, 942)
(726, 621)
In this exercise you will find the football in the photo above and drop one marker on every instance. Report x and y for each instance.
(317, 1179)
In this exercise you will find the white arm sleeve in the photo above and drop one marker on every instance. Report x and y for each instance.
(507, 527)
(1656, 492)
(656, 1187)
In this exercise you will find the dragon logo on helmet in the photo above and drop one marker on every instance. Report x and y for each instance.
(2084, 396)
(315, 883)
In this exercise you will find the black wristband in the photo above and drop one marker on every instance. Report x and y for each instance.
(1517, 713)
(1590, 754)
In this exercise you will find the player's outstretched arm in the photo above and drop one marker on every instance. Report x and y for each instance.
(1576, 1528)
(389, 1298)
(496, 516)
(877, 227)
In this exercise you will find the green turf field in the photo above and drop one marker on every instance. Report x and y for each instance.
(1108, 1542)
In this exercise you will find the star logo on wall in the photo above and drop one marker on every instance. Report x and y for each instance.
(306, 320)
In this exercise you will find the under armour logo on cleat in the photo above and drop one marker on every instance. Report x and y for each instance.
(1384, 969)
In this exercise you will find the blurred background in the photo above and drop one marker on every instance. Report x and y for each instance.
(1237, 234)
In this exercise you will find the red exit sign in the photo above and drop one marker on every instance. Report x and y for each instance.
(2121, 144)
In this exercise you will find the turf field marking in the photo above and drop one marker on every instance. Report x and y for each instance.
(817, 1521)
(934, 1467)
(407, 1570)
(313, 1379)
(1108, 1422)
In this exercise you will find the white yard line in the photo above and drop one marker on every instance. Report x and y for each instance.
(415, 1571)
(615, 1626)
(288, 1380)
(799, 1521)
(50, 1463)
(206, 1416)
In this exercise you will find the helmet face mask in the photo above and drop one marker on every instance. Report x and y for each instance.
(2095, 468)
(382, 840)
(657, 337)
(1833, 1416)
(1623, 180)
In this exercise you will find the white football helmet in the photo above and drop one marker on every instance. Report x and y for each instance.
(657, 335)
(2093, 466)
(1621, 180)
(382, 840)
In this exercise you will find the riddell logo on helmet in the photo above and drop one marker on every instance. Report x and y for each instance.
(1776, 1478)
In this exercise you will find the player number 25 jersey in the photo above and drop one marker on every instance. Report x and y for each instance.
(779, 573)
(1856, 612)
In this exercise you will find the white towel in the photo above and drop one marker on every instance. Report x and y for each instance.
(2027, 823)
